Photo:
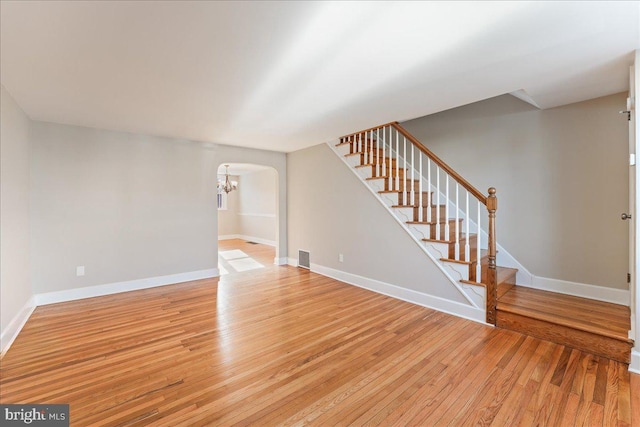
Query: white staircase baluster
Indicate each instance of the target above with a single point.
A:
(370, 147)
(420, 186)
(429, 198)
(438, 203)
(377, 153)
(404, 178)
(397, 161)
(365, 150)
(390, 156)
(478, 257)
(467, 255)
(446, 208)
(457, 247)
(413, 193)
(384, 154)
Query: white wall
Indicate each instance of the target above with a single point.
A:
(332, 212)
(228, 219)
(561, 176)
(251, 210)
(125, 206)
(15, 282)
(257, 205)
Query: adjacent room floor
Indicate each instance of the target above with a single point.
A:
(239, 256)
(284, 346)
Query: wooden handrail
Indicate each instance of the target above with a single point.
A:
(437, 160)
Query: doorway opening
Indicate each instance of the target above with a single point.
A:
(247, 201)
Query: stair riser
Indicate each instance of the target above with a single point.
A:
(462, 244)
(373, 159)
(405, 198)
(400, 185)
(425, 213)
(585, 341)
(377, 170)
(443, 226)
(509, 280)
(354, 141)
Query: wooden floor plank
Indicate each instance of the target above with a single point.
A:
(284, 346)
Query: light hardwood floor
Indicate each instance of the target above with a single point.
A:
(283, 346)
(241, 256)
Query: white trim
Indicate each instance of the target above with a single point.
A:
(257, 214)
(634, 366)
(280, 261)
(248, 239)
(292, 262)
(10, 333)
(600, 293)
(118, 287)
(425, 300)
(229, 236)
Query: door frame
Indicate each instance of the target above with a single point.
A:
(634, 267)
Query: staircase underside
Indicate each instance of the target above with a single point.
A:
(592, 326)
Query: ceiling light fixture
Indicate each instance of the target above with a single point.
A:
(227, 185)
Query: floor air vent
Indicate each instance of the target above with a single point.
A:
(303, 259)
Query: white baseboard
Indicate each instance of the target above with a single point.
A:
(634, 366)
(292, 262)
(600, 293)
(248, 239)
(114, 288)
(228, 236)
(281, 261)
(14, 327)
(415, 297)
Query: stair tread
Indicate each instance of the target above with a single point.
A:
(365, 165)
(433, 221)
(407, 206)
(597, 317)
(404, 191)
(483, 252)
(393, 177)
(462, 237)
(503, 274)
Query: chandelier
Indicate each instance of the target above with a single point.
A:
(227, 185)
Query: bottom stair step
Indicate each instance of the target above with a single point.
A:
(592, 326)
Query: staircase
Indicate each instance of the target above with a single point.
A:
(455, 225)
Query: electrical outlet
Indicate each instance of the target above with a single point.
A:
(340, 257)
(80, 270)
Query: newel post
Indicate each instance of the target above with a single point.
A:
(492, 274)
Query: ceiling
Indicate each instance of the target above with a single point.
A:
(287, 75)
(238, 169)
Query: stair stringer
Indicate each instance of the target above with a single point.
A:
(475, 295)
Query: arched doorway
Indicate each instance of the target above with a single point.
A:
(247, 217)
